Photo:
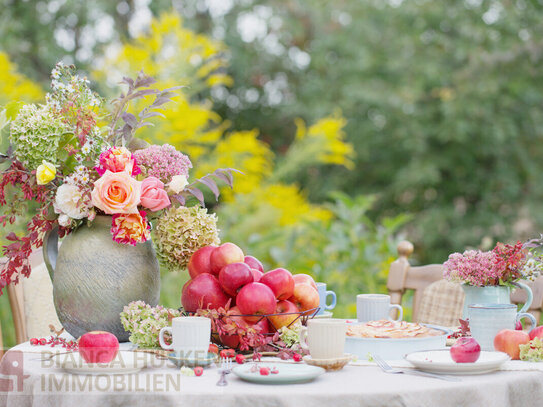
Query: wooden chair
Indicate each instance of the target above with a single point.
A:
(436, 301)
(31, 302)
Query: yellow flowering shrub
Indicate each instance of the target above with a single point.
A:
(14, 86)
(171, 54)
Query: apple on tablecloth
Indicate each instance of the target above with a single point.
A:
(98, 347)
(508, 341)
(537, 332)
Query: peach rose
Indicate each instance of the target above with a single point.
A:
(131, 229)
(153, 195)
(116, 192)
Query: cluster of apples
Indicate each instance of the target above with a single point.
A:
(223, 273)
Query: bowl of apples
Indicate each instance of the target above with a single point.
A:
(241, 297)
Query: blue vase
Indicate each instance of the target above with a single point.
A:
(493, 294)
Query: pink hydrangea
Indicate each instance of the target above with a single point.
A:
(472, 267)
(117, 159)
(163, 162)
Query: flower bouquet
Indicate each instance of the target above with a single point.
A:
(74, 161)
(504, 265)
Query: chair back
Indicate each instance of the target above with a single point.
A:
(31, 302)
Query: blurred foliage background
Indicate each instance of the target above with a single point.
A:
(355, 122)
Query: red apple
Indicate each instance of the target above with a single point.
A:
(280, 281)
(304, 279)
(204, 291)
(537, 332)
(200, 261)
(290, 313)
(508, 341)
(257, 275)
(305, 297)
(226, 253)
(254, 263)
(234, 276)
(255, 299)
(98, 347)
(465, 350)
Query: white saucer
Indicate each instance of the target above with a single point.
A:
(124, 363)
(440, 361)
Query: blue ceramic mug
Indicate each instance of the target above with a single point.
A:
(486, 320)
(323, 296)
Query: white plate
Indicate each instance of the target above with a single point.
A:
(439, 361)
(124, 363)
(289, 373)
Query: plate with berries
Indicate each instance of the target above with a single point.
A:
(280, 373)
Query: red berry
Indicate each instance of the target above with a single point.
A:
(34, 341)
(43, 341)
(213, 348)
(198, 370)
(297, 357)
(240, 359)
(264, 371)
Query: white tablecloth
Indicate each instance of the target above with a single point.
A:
(355, 385)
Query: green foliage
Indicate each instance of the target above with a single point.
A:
(443, 101)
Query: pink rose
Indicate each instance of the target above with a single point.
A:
(116, 192)
(153, 195)
(131, 229)
(118, 159)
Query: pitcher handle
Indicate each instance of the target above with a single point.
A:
(50, 250)
(530, 296)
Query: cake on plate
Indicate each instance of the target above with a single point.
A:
(391, 329)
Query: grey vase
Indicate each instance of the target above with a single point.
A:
(94, 277)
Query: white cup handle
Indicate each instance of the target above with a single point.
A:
(400, 311)
(303, 338)
(163, 344)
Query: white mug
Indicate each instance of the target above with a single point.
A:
(324, 338)
(374, 307)
(190, 336)
(486, 320)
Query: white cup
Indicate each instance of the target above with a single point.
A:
(190, 336)
(324, 338)
(486, 320)
(374, 307)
